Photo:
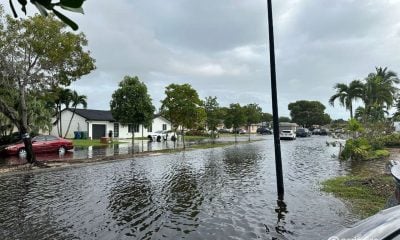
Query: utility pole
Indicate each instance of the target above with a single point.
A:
(277, 142)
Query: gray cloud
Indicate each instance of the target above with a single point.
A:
(220, 47)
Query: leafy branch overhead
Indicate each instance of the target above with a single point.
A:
(45, 6)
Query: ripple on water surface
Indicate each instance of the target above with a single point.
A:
(221, 193)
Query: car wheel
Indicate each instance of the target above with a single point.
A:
(62, 150)
(22, 153)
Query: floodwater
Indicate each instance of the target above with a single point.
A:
(117, 149)
(220, 193)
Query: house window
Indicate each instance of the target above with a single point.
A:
(164, 126)
(150, 128)
(133, 127)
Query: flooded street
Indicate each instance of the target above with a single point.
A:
(220, 193)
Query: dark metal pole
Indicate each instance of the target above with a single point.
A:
(278, 158)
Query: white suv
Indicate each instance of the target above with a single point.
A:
(287, 135)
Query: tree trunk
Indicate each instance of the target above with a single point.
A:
(24, 130)
(133, 140)
(248, 129)
(235, 135)
(183, 138)
(59, 117)
(69, 124)
(351, 110)
(142, 139)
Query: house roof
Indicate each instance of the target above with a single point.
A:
(100, 115)
(95, 115)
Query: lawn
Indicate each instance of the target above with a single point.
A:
(366, 194)
(88, 142)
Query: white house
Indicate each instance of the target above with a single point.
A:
(98, 123)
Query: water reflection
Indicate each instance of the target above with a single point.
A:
(132, 205)
(222, 193)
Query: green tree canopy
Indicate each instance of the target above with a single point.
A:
(267, 117)
(131, 104)
(182, 106)
(253, 115)
(284, 119)
(347, 94)
(36, 55)
(211, 107)
(235, 117)
(307, 113)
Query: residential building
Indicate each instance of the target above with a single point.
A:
(99, 123)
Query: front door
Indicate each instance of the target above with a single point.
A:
(98, 131)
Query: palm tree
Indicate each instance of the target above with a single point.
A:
(62, 97)
(347, 94)
(76, 100)
(380, 91)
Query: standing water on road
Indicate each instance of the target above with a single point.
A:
(221, 193)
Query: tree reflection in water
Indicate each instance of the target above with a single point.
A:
(131, 204)
(182, 199)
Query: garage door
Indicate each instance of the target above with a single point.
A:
(98, 131)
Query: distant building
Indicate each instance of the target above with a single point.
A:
(98, 123)
(288, 126)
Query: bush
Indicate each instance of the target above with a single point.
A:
(364, 149)
(356, 149)
(392, 140)
(381, 154)
(196, 133)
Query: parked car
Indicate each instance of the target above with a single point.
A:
(224, 130)
(287, 135)
(324, 132)
(264, 130)
(383, 225)
(303, 132)
(240, 131)
(158, 135)
(41, 144)
(316, 131)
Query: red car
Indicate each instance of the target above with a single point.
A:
(41, 144)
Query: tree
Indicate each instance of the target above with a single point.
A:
(284, 119)
(235, 117)
(379, 93)
(45, 6)
(267, 117)
(346, 94)
(212, 110)
(183, 107)
(36, 55)
(253, 115)
(131, 104)
(307, 113)
(76, 100)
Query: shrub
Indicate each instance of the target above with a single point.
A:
(356, 149)
(196, 133)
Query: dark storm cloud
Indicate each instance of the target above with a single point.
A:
(220, 47)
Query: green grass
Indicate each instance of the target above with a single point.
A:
(366, 194)
(88, 142)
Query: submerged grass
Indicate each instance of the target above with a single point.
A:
(366, 194)
(89, 142)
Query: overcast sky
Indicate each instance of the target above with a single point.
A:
(220, 47)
